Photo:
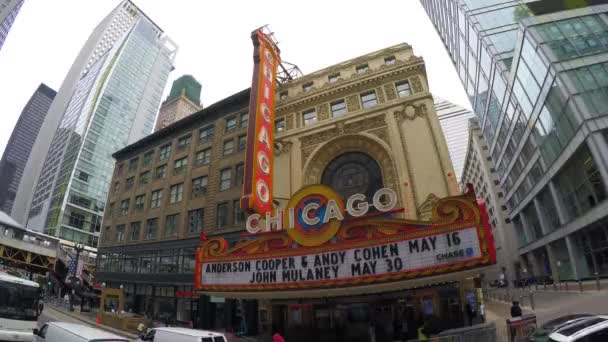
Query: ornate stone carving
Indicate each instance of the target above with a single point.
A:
(380, 95)
(282, 146)
(343, 128)
(382, 133)
(306, 153)
(323, 111)
(389, 89)
(411, 111)
(352, 103)
(416, 84)
(425, 210)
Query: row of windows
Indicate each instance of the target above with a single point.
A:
(172, 224)
(332, 78)
(228, 178)
(338, 108)
(205, 135)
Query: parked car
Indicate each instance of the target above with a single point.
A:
(541, 334)
(70, 332)
(590, 329)
(182, 335)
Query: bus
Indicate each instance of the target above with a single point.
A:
(18, 308)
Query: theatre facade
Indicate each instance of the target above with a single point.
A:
(368, 226)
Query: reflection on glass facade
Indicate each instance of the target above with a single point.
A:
(114, 104)
(536, 74)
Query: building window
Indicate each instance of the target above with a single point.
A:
(222, 215)
(180, 166)
(124, 207)
(144, 177)
(369, 100)
(205, 135)
(230, 124)
(228, 147)
(148, 158)
(184, 142)
(362, 68)
(239, 215)
(338, 108)
(199, 186)
(283, 95)
(120, 232)
(161, 171)
(279, 125)
(157, 197)
(242, 142)
(195, 220)
(225, 179)
(333, 78)
(390, 60)
(580, 184)
(129, 183)
(310, 117)
(76, 220)
(133, 164)
(403, 88)
(135, 230)
(171, 222)
(203, 157)
(244, 120)
(307, 86)
(140, 202)
(164, 153)
(240, 170)
(151, 227)
(176, 194)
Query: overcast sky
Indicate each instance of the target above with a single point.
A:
(214, 42)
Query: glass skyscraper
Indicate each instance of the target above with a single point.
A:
(8, 12)
(20, 144)
(112, 104)
(536, 73)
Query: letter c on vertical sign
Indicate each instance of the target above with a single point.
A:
(253, 223)
(263, 162)
(265, 110)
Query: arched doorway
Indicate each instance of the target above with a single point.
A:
(353, 173)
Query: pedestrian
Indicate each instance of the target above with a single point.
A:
(277, 338)
(515, 309)
(422, 332)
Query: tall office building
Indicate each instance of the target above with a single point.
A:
(20, 144)
(536, 73)
(183, 100)
(454, 121)
(109, 99)
(8, 12)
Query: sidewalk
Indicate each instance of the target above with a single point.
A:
(89, 320)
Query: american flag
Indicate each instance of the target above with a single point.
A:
(72, 266)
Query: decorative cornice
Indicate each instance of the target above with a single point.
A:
(342, 128)
(344, 86)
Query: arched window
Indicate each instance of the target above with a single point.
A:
(353, 173)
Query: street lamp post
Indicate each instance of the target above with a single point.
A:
(79, 248)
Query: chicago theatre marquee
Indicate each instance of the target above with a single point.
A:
(367, 226)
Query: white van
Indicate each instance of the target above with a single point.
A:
(182, 335)
(70, 332)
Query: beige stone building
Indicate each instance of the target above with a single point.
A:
(357, 126)
(341, 124)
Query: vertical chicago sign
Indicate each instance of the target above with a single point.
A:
(257, 185)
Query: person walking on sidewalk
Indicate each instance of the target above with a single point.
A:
(277, 338)
(515, 309)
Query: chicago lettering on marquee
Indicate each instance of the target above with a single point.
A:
(327, 243)
(258, 173)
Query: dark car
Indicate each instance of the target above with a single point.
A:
(542, 333)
